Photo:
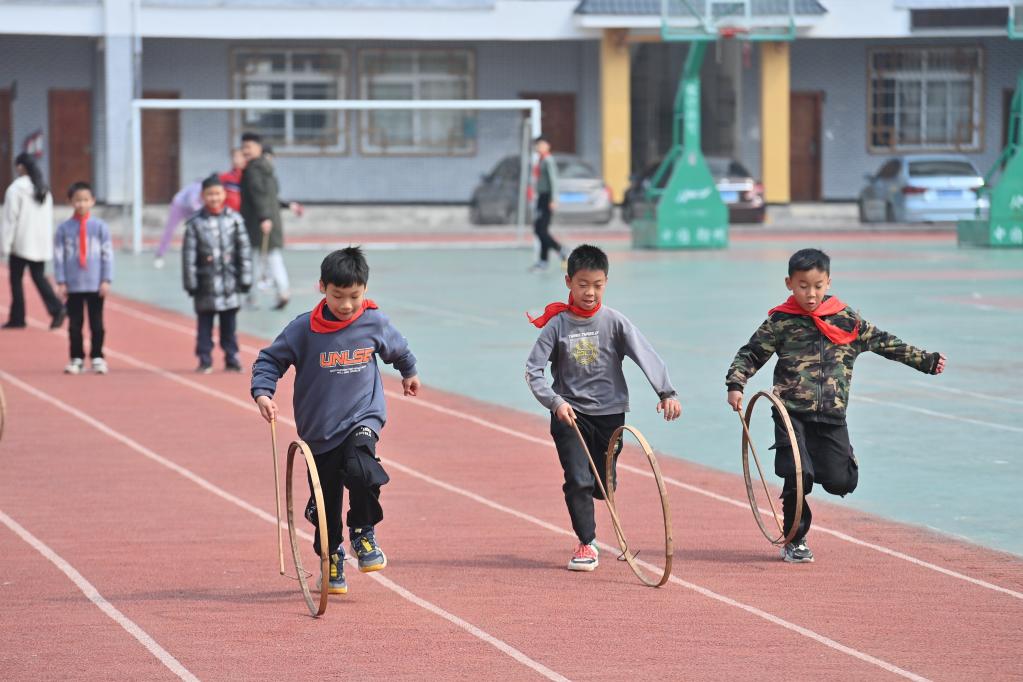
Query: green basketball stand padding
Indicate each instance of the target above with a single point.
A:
(686, 212)
(1004, 225)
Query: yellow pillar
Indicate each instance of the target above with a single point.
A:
(774, 121)
(615, 112)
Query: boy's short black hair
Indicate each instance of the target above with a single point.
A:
(212, 181)
(540, 139)
(252, 137)
(345, 268)
(809, 259)
(76, 186)
(586, 257)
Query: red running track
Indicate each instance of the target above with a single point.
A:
(154, 484)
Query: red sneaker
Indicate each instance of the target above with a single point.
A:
(585, 557)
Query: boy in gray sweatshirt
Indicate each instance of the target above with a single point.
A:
(83, 266)
(339, 401)
(586, 343)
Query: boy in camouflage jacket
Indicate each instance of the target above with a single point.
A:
(817, 339)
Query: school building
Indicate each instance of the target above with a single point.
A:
(863, 80)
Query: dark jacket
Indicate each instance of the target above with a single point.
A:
(337, 383)
(260, 201)
(216, 260)
(813, 374)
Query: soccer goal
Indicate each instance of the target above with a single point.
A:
(389, 155)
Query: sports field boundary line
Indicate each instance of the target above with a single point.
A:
(550, 674)
(209, 486)
(93, 595)
(741, 504)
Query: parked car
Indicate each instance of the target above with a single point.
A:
(923, 188)
(582, 194)
(743, 195)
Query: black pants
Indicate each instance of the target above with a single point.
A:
(580, 487)
(353, 465)
(38, 272)
(827, 459)
(76, 304)
(228, 335)
(541, 226)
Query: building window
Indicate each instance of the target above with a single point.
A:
(925, 99)
(293, 75)
(422, 75)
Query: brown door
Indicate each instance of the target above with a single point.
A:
(70, 140)
(6, 155)
(160, 150)
(805, 146)
(557, 119)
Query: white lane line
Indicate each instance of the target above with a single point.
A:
(941, 415)
(502, 646)
(741, 504)
(480, 634)
(93, 595)
(971, 394)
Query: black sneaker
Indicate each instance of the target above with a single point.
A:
(58, 319)
(204, 368)
(13, 325)
(232, 365)
(336, 583)
(364, 544)
(797, 552)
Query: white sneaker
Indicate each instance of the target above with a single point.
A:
(158, 263)
(585, 557)
(99, 366)
(75, 366)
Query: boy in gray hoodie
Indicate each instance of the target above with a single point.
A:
(339, 401)
(83, 266)
(586, 342)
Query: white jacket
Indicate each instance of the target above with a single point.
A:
(26, 227)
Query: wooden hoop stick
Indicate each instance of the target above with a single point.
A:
(296, 554)
(608, 494)
(277, 495)
(782, 538)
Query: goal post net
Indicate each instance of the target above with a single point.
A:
(388, 153)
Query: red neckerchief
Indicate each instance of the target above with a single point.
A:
(557, 308)
(829, 306)
(83, 240)
(321, 325)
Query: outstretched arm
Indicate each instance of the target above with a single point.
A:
(638, 349)
(748, 360)
(892, 347)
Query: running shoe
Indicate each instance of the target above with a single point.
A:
(585, 557)
(99, 366)
(364, 544)
(75, 366)
(797, 552)
(336, 583)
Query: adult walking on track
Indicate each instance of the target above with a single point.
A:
(544, 187)
(27, 237)
(261, 210)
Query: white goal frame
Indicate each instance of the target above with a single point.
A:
(530, 106)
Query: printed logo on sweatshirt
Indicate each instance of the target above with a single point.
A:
(346, 361)
(584, 347)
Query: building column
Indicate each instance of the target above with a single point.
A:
(118, 87)
(774, 121)
(615, 112)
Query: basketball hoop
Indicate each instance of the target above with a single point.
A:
(729, 32)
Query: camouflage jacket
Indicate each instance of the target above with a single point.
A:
(813, 374)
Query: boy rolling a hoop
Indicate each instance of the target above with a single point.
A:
(586, 342)
(339, 401)
(817, 339)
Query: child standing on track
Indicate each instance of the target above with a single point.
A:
(339, 401)
(217, 271)
(83, 266)
(586, 342)
(817, 339)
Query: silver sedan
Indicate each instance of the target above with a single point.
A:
(923, 188)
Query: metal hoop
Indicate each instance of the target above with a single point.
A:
(782, 538)
(616, 524)
(296, 554)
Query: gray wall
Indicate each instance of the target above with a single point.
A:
(839, 69)
(39, 64)
(503, 71)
